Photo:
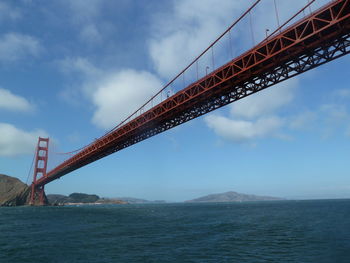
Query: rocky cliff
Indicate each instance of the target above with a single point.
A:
(13, 192)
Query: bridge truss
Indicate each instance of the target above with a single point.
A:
(314, 40)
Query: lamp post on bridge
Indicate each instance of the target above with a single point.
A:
(206, 70)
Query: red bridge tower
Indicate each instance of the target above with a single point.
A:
(37, 196)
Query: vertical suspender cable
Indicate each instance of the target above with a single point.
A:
(308, 1)
(183, 80)
(31, 166)
(277, 16)
(251, 27)
(230, 43)
(212, 56)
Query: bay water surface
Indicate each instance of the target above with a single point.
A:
(281, 231)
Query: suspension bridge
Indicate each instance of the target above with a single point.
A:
(308, 39)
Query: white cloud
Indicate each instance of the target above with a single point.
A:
(176, 38)
(253, 117)
(14, 141)
(266, 101)
(242, 130)
(119, 94)
(174, 42)
(182, 35)
(114, 93)
(10, 101)
(78, 65)
(15, 46)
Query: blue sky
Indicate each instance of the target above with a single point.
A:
(72, 69)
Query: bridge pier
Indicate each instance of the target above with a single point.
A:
(37, 195)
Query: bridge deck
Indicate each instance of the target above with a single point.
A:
(314, 40)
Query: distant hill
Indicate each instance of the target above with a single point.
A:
(81, 198)
(132, 200)
(57, 199)
(233, 197)
(72, 198)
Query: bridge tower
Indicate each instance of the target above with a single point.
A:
(42, 153)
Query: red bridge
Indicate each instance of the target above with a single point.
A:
(313, 40)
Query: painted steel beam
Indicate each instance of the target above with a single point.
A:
(316, 39)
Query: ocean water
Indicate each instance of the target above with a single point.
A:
(286, 231)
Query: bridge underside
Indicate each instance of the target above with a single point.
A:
(311, 42)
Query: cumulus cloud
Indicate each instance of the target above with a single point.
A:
(14, 141)
(262, 21)
(184, 34)
(266, 101)
(180, 37)
(174, 41)
(119, 94)
(242, 130)
(15, 46)
(254, 117)
(78, 65)
(12, 102)
(115, 94)
(176, 38)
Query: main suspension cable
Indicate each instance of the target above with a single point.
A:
(31, 166)
(170, 82)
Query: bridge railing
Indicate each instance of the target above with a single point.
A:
(227, 46)
(250, 29)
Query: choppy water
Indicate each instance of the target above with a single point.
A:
(302, 231)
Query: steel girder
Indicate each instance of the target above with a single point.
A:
(317, 39)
